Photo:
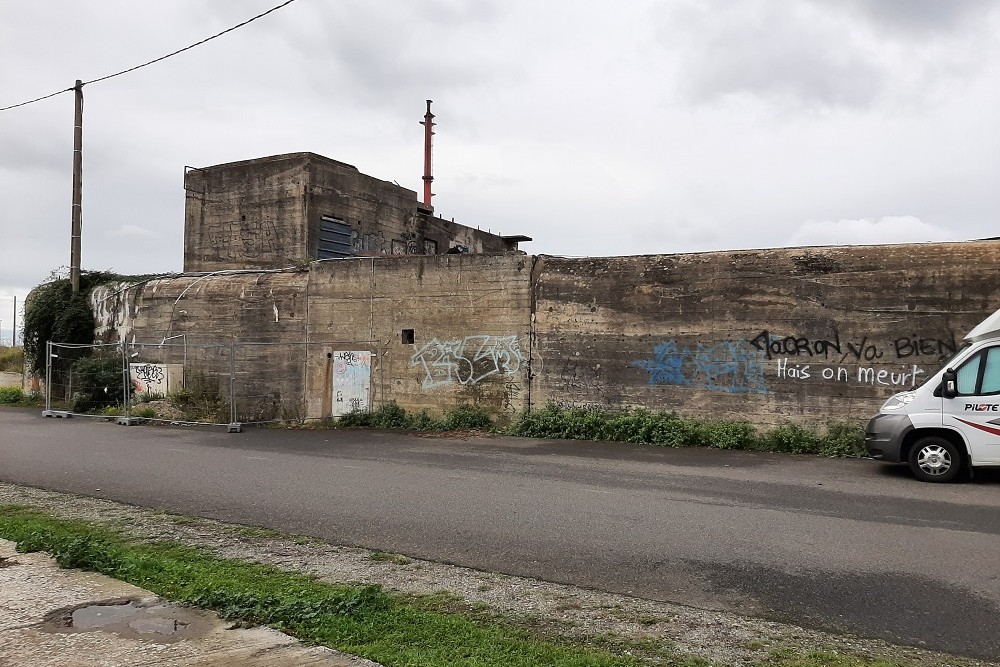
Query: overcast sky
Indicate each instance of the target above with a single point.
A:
(596, 128)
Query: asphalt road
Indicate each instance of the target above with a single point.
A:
(832, 544)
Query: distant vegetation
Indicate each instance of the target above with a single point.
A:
(11, 360)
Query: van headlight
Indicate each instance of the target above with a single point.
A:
(897, 401)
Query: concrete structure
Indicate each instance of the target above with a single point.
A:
(277, 211)
(801, 334)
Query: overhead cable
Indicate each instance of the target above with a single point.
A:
(155, 60)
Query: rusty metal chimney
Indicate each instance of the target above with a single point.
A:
(428, 123)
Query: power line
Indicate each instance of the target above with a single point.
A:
(155, 60)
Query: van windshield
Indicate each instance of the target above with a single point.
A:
(947, 362)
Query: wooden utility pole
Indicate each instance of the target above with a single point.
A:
(74, 254)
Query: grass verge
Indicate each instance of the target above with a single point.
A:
(364, 620)
(361, 620)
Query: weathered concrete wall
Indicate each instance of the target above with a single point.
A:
(246, 214)
(466, 317)
(266, 213)
(469, 316)
(194, 320)
(804, 334)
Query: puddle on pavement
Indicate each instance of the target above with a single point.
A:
(135, 619)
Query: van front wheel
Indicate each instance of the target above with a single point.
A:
(935, 459)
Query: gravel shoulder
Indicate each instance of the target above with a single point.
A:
(575, 613)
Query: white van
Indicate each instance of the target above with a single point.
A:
(952, 421)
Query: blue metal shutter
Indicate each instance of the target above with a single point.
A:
(334, 238)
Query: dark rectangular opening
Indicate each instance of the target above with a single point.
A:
(334, 238)
(407, 337)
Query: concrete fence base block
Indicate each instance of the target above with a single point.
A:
(60, 414)
(235, 427)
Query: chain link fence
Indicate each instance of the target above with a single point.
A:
(183, 381)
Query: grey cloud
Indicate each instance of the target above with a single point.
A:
(792, 68)
(923, 16)
(818, 53)
(373, 56)
(452, 13)
(768, 51)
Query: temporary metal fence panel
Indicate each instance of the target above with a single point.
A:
(85, 380)
(269, 383)
(298, 382)
(182, 381)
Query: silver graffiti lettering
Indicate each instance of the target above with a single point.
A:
(467, 361)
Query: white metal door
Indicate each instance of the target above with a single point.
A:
(352, 373)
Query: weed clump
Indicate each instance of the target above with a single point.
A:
(391, 415)
(11, 395)
(667, 429)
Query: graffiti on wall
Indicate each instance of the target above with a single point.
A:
(245, 239)
(861, 360)
(411, 247)
(372, 243)
(155, 379)
(511, 392)
(149, 377)
(730, 366)
(862, 349)
(468, 361)
(743, 366)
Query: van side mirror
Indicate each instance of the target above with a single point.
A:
(949, 384)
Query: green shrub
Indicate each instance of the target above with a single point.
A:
(844, 439)
(422, 421)
(731, 435)
(98, 381)
(11, 395)
(465, 418)
(390, 415)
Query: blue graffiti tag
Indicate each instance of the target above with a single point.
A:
(733, 366)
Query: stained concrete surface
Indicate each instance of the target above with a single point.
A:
(51, 616)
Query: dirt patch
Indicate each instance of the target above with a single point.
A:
(164, 409)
